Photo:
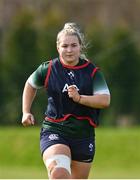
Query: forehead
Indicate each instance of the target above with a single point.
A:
(68, 39)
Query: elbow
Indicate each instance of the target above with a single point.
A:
(106, 105)
(106, 102)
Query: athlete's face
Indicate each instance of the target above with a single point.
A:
(69, 49)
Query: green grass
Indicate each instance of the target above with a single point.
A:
(117, 153)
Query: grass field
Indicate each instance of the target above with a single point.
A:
(117, 153)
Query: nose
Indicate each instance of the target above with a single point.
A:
(69, 49)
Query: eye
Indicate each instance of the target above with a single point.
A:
(74, 45)
(64, 46)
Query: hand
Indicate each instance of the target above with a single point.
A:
(73, 93)
(28, 119)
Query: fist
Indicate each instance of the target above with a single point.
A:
(73, 93)
(28, 119)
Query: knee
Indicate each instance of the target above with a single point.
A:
(59, 173)
(58, 167)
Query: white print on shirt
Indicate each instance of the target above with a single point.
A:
(53, 137)
(90, 147)
(65, 88)
(71, 74)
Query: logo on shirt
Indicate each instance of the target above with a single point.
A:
(53, 137)
(71, 74)
(90, 147)
(65, 89)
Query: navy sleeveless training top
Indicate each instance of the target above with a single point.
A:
(58, 78)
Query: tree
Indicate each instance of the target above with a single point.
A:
(20, 59)
(122, 67)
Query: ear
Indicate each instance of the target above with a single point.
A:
(57, 48)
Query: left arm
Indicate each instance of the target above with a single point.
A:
(94, 101)
(100, 97)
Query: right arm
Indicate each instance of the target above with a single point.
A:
(28, 96)
(34, 82)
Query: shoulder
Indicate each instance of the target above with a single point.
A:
(88, 62)
(44, 65)
(92, 68)
(92, 64)
(43, 68)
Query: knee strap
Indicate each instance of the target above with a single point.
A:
(58, 161)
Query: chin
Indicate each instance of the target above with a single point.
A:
(69, 60)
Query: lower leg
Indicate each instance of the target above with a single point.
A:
(59, 173)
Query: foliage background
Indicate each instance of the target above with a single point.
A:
(28, 32)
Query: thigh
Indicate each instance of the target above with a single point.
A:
(83, 150)
(48, 139)
(53, 143)
(80, 170)
(56, 149)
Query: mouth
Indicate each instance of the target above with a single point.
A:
(69, 55)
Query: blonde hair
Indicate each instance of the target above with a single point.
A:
(72, 28)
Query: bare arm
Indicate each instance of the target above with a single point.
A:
(95, 101)
(27, 99)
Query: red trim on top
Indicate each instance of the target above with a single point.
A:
(94, 71)
(77, 117)
(48, 74)
(74, 67)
